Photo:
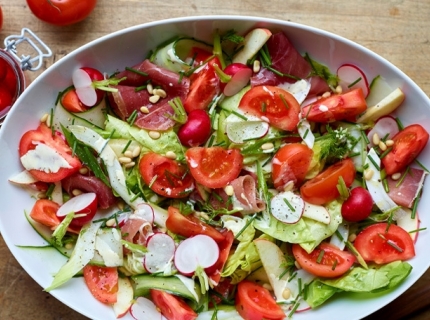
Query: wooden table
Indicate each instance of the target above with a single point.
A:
(396, 29)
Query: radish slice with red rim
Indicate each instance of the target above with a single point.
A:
(161, 249)
(386, 128)
(352, 77)
(240, 75)
(83, 86)
(144, 309)
(198, 251)
(287, 207)
(84, 207)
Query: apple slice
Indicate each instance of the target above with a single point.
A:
(124, 297)
(161, 249)
(317, 213)
(84, 206)
(287, 207)
(253, 42)
(411, 225)
(144, 309)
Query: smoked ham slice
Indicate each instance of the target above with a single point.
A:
(403, 193)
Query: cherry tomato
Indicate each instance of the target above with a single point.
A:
(383, 243)
(200, 55)
(205, 86)
(408, 143)
(171, 306)
(43, 135)
(323, 188)
(254, 302)
(273, 103)
(166, 177)
(214, 167)
(332, 263)
(224, 252)
(188, 226)
(358, 206)
(71, 102)
(102, 282)
(291, 163)
(44, 211)
(61, 12)
(196, 130)
(337, 107)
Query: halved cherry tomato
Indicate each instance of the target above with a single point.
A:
(200, 55)
(383, 243)
(61, 12)
(70, 102)
(337, 107)
(323, 188)
(408, 143)
(205, 86)
(214, 167)
(254, 302)
(102, 282)
(44, 211)
(165, 176)
(273, 103)
(171, 306)
(291, 163)
(189, 226)
(43, 135)
(222, 292)
(332, 263)
(224, 252)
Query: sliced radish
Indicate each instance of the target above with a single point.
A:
(84, 206)
(317, 213)
(352, 77)
(198, 251)
(161, 249)
(125, 297)
(145, 211)
(84, 89)
(409, 224)
(144, 309)
(239, 130)
(287, 207)
(385, 127)
(240, 75)
(299, 89)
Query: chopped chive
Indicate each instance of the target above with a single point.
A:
(364, 136)
(399, 124)
(385, 184)
(126, 146)
(417, 230)
(137, 89)
(51, 121)
(374, 162)
(282, 74)
(354, 82)
(352, 155)
(333, 267)
(50, 190)
(132, 117)
(402, 178)
(385, 137)
(135, 197)
(292, 276)
(366, 166)
(180, 115)
(284, 272)
(211, 140)
(246, 226)
(415, 204)
(320, 256)
(284, 101)
(294, 309)
(289, 205)
(136, 71)
(422, 166)
(306, 133)
(389, 221)
(152, 181)
(263, 107)
(240, 115)
(383, 154)
(168, 176)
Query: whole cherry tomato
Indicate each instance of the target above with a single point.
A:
(1, 18)
(61, 12)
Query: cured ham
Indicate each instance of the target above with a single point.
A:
(246, 195)
(136, 230)
(128, 100)
(287, 60)
(105, 197)
(404, 192)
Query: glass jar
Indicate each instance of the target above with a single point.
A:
(12, 66)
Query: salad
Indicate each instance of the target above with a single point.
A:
(210, 178)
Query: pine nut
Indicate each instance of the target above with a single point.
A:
(149, 88)
(267, 146)
(120, 205)
(389, 143)
(368, 174)
(352, 237)
(298, 266)
(286, 294)
(376, 139)
(256, 66)
(44, 118)
(289, 186)
(110, 223)
(41, 195)
(396, 176)
(136, 152)
(229, 190)
(326, 94)
(128, 154)
(69, 246)
(76, 192)
(171, 155)
(124, 160)
(129, 165)
(83, 170)
(48, 120)
(160, 92)
(338, 89)
(382, 145)
(154, 98)
(154, 134)
(144, 110)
